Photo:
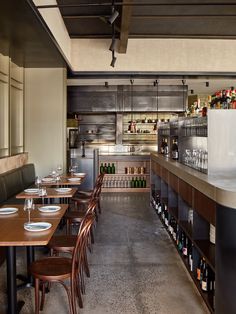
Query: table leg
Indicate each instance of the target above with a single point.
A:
(30, 259)
(11, 280)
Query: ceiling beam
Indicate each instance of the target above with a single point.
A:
(125, 27)
(128, 3)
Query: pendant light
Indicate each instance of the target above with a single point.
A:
(156, 83)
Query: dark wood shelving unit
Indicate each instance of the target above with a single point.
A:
(208, 297)
(187, 228)
(174, 212)
(207, 249)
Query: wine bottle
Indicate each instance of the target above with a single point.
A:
(162, 146)
(166, 148)
(205, 279)
(109, 168)
(185, 246)
(105, 168)
(175, 150)
(140, 183)
(190, 256)
(132, 185)
(113, 169)
(144, 183)
(199, 268)
(101, 168)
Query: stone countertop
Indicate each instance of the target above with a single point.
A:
(220, 187)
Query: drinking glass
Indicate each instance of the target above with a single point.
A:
(38, 181)
(28, 205)
(42, 193)
(59, 169)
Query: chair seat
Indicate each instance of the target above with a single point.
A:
(75, 214)
(52, 268)
(63, 243)
(86, 193)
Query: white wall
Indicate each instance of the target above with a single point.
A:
(45, 118)
(156, 55)
(54, 20)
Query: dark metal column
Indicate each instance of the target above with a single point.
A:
(11, 280)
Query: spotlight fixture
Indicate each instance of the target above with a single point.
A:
(113, 16)
(207, 84)
(106, 84)
(113, 44)
(113, 61)
(192, 91)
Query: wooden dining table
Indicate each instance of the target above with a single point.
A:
(51, 193)
(13, 234)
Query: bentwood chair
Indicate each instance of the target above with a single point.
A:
(74, 216)
(60, 269)
(82, 197)
(66, 243)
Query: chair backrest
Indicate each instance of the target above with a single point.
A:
(80, 247)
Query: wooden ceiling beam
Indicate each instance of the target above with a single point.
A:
(125, 27)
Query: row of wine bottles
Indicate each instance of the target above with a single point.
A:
(174, 153)
(196, 263)
(124, 182)
(110, 169)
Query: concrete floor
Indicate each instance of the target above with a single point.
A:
(135, 268)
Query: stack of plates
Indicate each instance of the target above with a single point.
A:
(74, 179)
(49, 209)
(48, 179)
(32, 191)
(8, 210)
(212, 234)
(63, 190)
(79, 174)
(37, 226)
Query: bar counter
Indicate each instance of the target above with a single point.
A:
(219, 187)
(212, 198)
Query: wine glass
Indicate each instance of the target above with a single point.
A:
(54, 174)
(42, 193)
(38, 181)
(71, 170)
(28, 205)
(59, 169)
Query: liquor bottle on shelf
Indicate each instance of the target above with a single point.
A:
(190, 257)
(101, 168)
(199, 268)
(175, 150)
(144, 183)
(205, 279)
(185, 245)
(166, 148)
(136, 183)
(105, 168)
(132, 183)
(162, 146)
(109, 168)
(113, 169)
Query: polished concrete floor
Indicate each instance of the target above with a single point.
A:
(135, 268)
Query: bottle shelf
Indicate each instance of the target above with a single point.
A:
(125, 189)
(186, 227)
(207, 296)
(128, 174)
(207, 249)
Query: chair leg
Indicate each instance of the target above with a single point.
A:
(78, 292)
(99, 207)
(43, 296)
(36, 296)
(70, 295)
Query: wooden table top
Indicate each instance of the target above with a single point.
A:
(12, 232)
(21, 214)
(51, 193)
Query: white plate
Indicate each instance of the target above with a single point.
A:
(49, 208)
(32, 191)
(8, 210)
(74, 179)
(79, 174)
(37, 226)
(48, 179)
(63, 190)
